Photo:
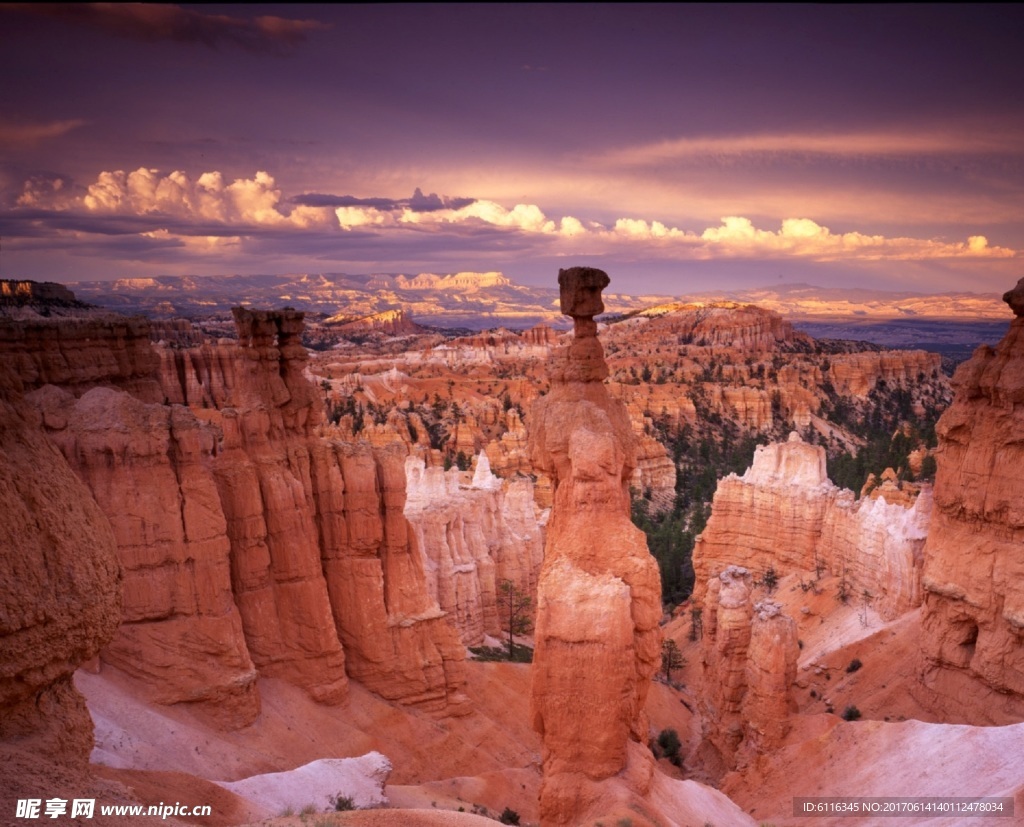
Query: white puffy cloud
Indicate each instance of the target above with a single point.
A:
(255, 200)
(806, 238)
(217, 212)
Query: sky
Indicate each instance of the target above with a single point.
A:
(679, 147)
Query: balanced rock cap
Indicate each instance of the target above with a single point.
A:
(580, 291)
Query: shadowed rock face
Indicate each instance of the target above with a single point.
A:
(60, 595)
(599, 595)
(749, 654)
(1015, 298)
(974, 569)
(250, 544)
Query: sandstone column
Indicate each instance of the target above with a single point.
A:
(599, 594)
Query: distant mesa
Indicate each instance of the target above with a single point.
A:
(456, 281)
(390, 322)
(22, 292)
(26, 300)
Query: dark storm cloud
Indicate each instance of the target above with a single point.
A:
(150, 23)
(418, 203)
(34, 222)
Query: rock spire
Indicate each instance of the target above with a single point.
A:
(599, 594)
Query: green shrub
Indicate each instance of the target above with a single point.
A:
(851, 713)
(855, 664)
(509, 816)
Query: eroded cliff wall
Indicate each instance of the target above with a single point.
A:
(784, 514)
(250, 543)
(472, 537)
(973, 582)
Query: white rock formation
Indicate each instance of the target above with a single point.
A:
(318, 783)
(472, 537)
(785, 514)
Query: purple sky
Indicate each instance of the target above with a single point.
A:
(679, 147)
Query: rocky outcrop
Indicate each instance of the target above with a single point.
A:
(771, 670)
(80, 354)
(397, 640)
(60, 595)
(749, 654)
(387, 322)
(147, 465)
(34, 292)
(974, 571)
(723, 324)
(724, 648)
(473, 536)
(855, 374)
(599, 598)
(237, 524)
(785, 515)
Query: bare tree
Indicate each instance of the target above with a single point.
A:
(514, 611)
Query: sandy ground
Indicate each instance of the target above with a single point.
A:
(489, 759)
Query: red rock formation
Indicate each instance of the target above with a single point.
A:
(785, 514)
(749, 656)
(974, 570)
(227, 514)
(397, 641)
(79, 354)
(723, 324)
(857, 373)
(597, 636)
(388, 322)
(724, 657)
(771, 670)
(59, 598)
(147, 467)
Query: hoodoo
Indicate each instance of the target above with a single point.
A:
(597, 636)
(973, 585)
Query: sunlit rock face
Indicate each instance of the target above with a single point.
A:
(472, 536)
(785, 514)
(974, 567)
(597, 636)
(147, 466)
(857, 373)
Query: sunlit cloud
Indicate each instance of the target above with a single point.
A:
(209, 215)
(803, 237)
(49, 191)
(255, 200)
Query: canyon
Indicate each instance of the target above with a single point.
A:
(282, 555)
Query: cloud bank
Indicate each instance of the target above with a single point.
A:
(145, 212)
